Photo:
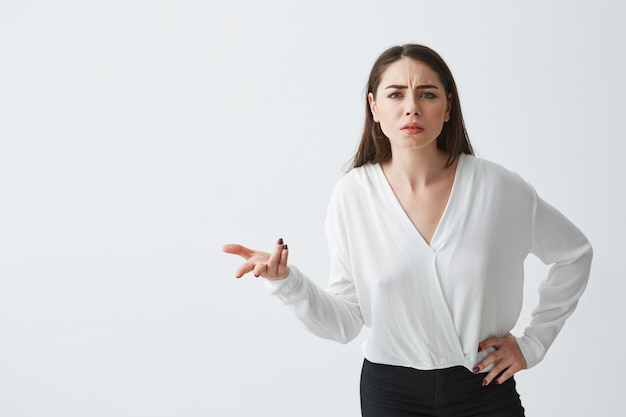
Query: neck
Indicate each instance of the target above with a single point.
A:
(416, 168)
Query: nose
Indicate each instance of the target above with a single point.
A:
(412, 105)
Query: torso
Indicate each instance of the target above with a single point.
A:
(413, 295)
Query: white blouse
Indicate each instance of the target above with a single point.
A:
(428, 306)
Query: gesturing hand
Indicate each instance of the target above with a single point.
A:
(262, 264)
(507, 358)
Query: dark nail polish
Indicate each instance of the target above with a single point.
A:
(485, 382)
(476, 370)
(280, 241)
(285, 247)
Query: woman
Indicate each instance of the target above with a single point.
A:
(427, 246)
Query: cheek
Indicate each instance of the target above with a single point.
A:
(444, 111)
(391, 109)
(380, 113)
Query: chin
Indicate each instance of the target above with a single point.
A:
(418, 144)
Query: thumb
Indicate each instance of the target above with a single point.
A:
(236, 249)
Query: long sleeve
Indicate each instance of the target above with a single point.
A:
(557, 242)
(335, 316)
(332, 313)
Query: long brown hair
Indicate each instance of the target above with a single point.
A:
(374, 146)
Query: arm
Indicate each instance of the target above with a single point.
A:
(557, 242)
(332, 313)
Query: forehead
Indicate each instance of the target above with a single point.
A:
(409, 72)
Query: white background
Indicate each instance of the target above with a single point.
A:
(137, 137)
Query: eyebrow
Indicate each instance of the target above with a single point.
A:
(401, 87)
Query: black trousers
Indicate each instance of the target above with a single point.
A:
(396, 391)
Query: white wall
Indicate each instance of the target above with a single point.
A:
(137, 137)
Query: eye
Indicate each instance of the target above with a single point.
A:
(427, 95)
(395, 95)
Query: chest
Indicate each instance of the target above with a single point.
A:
(425, 207)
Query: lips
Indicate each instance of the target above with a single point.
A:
(412, 125)
(412, 128)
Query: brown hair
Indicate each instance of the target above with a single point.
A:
(374, 146)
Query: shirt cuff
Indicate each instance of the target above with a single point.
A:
(532, 350)
(281, 288)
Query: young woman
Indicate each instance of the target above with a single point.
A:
(427, 246)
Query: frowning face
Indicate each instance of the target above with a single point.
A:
(410, 104)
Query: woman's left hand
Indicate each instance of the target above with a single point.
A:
(507, 358)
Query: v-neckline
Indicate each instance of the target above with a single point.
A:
(433, 245)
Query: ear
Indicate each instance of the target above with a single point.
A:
(372, 103)
(446, 116)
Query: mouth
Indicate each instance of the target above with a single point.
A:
(412, 127)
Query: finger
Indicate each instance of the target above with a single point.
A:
(488, 343)
(490, 359)
(244, 269)
(517, 363)
(495, 371)
(508, 373)
(259, 269)
(274, 260)
(507, 361)
(284, 255)
(240, 250)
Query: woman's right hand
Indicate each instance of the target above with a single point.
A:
(262, 264)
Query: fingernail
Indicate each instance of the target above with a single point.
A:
(285, 247)
(476, 370)
(280, 241)
(485, 383)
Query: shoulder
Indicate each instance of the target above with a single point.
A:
(496, 174)
(357, 180)
(356, 188)
(491, 181)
